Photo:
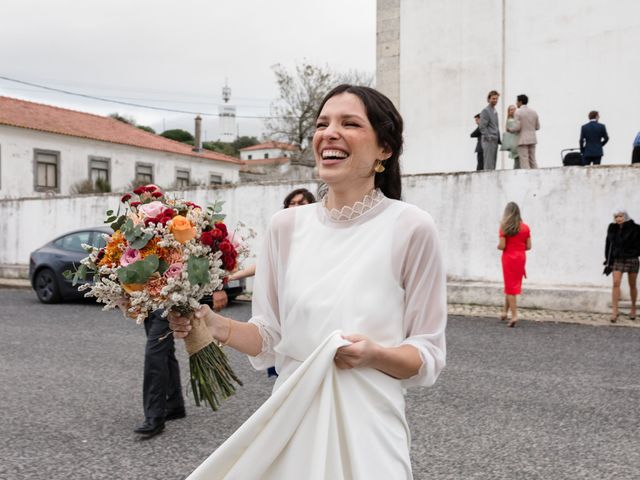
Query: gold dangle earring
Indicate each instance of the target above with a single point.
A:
(378, 167)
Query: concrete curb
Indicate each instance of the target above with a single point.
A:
(14, 283)
(538, 315)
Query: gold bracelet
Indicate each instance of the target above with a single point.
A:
(226, 342)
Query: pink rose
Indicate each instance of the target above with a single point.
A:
(129, 256)
(174, 270)
(152, 209)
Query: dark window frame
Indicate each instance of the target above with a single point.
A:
(57, 163)
(144, 164)
(100, 159)
(179, 180)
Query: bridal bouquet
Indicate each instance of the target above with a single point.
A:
(167, 254)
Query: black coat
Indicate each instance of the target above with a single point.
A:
(622, 242)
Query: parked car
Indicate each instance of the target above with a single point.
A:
(47, 264)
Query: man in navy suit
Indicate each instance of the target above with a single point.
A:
(593, 136)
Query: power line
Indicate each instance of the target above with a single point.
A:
(130, 104)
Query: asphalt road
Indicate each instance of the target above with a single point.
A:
(541, 401)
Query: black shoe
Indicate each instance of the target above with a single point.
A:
(175, 414)
(151, 426)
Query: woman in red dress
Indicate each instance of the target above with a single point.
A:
(515, 240)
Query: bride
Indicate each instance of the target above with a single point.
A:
(349, 304)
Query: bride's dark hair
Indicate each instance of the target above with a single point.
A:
(387, 123)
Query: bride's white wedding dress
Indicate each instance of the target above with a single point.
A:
(375, 270)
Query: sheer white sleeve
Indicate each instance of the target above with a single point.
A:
(269, 270)
(424, 281)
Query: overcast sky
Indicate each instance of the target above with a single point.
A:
(176, 54)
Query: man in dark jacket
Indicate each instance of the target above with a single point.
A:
(476, 134)
(593, 136)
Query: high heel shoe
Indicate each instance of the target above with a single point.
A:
(503, 318)
(614, 319)
(512, 323)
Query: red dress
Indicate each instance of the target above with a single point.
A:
(514, 258)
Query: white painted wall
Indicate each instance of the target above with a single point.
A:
(568, 210)
(17, 162)
(259, 154)
(569, 57)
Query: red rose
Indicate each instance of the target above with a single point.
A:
(135, 204)
(221, 226)
(100, 254)
(150, 188)
(206, 238)
(125, 198)
(229, 261)
(139, 190)
(156, 194)
(217, 234)
(226, 247)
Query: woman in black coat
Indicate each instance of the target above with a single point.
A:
(621, 256)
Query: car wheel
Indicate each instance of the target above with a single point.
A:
(46, 286)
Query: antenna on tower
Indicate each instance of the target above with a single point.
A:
(226, 91)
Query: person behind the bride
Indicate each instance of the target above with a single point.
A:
(350, 302)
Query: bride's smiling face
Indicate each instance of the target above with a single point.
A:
(345, 144)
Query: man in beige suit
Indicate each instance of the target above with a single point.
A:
(526, 125)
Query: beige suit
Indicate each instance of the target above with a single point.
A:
(527, 123)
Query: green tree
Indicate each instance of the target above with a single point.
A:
(123, 118)
(178, 135)
(146, 128)
(243, 142)
(221, 147)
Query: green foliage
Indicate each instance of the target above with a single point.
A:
(75, 276)
(220, 147)
(178, 135)
(140, 271)
(87, 186)
(102, 186)
(198, 270)
(146, 128)
(244, 142)
(134, 235)
(123, 118)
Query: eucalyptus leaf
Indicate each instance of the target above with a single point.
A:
(139, 242)
(117, 225)
(198, 270)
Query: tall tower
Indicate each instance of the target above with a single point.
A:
(227, 116)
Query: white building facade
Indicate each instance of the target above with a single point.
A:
(36, 160)
(438, 59)
(268, 150)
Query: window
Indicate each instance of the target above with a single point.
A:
(73, 242)
(266, 155)
(144, 173)
(182, 178)
(98, 169)
(47, 173)
(215, 179)
(249, 157)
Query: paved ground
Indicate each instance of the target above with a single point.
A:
(541, 401)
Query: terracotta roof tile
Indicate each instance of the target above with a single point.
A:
(47, 118)
(270, 145)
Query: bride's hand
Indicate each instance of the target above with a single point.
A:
(361, 353)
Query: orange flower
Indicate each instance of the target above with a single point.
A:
(113, 250)
(182, 229)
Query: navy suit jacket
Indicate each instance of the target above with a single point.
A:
(593, 136)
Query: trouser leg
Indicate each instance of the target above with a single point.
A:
(480, 159)
(533, 163)
(489, 153)
(523, 154)
(160, 379)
